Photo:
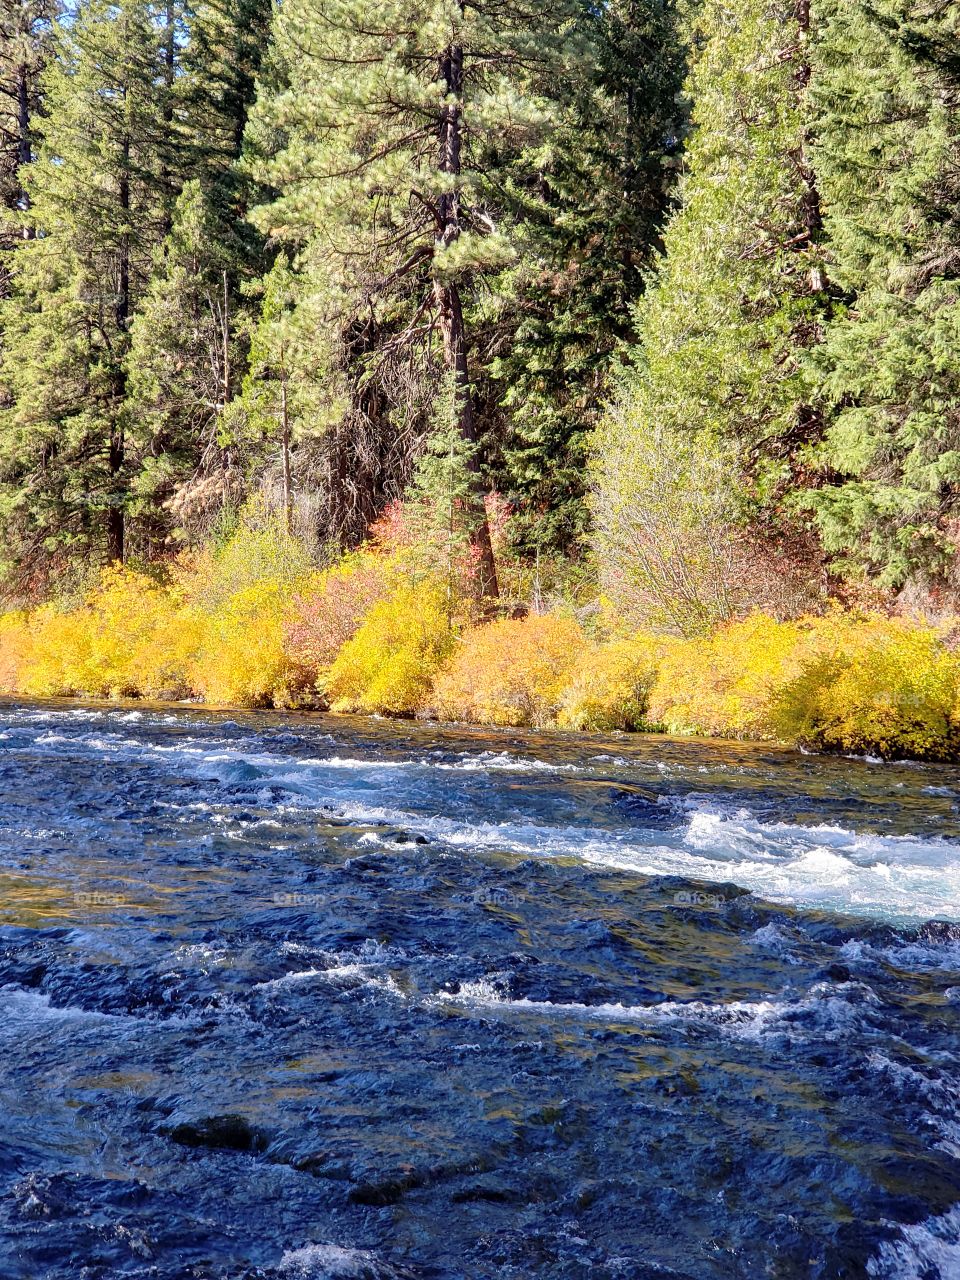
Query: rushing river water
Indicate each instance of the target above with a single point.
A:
(304, 998)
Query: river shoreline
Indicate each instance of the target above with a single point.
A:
(513, 732)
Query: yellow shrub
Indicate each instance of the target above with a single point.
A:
(15, 648)
(128, 616)
(877, 686)
(96, 649)
(389, 665)
(163, 664)
(724, 685)
(242, 659)
(611, 687)
(260, 551)
(59, 657)
(513, 672)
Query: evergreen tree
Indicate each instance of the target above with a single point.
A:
(188, 352)
(740, 294)
(25, 30)
(276, 391)
(381, 140)
(227, 40)
(887, 93)
(99, 205)
(592, 206)
(185, 365)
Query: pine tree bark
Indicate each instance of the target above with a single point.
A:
(812, 211)
(115, 520)
(450, 307)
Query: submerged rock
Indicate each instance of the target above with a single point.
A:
(221, 1133)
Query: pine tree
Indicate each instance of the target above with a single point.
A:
(887, 98)
(185, 366)
(380, 139)
(25, 30)
(99, 204)
(188, 349)
(276, 392)
(740, 294)
(593, 206)
(221, 61)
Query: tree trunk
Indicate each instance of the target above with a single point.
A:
(24, 142)
(450, 307)
(115, 522)
(285, 446)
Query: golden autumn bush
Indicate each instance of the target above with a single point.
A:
(513, 672)
(15, 646)
(877, 686)
(388, 666)
(238, 604)
(242, 657)
(725, 684)
(371, 637)
(115, 644)
(140, 643)
(260, 550)
(610, 689)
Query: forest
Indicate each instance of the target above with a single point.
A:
(536, 364)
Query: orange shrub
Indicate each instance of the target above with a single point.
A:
(513, 672)
(333, 604)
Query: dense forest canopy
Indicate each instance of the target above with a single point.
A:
(662, 297)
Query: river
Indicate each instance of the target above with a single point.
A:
(304, 998)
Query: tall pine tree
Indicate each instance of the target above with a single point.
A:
(887, 98)
(25, 32)
(99, 202)
(187, 360)
(592, 206)
(386, 139)
(740, 296)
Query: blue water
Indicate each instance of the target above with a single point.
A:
(296, 997)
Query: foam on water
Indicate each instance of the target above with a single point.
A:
(335, 1262)
(827, 1012)
(825, 866)
(928, 1250)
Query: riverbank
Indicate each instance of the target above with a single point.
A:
(257, 627)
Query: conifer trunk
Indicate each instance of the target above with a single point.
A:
(115, 522)
(813, 214)
(450, 307)
(24, 148)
